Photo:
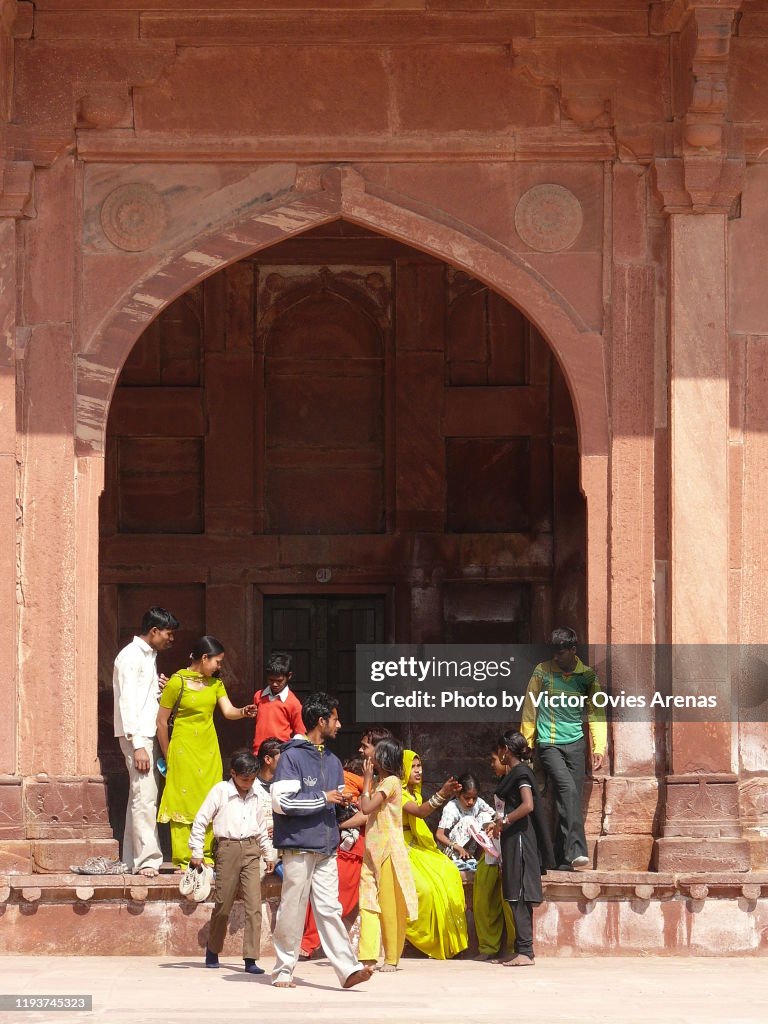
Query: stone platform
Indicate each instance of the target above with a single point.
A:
(586, 913)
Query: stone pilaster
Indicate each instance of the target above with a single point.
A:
(701, 831)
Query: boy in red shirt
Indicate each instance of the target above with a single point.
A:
(278, 709)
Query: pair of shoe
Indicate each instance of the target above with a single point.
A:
(196, 883)
(251, 967)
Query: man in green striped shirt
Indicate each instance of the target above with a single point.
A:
(558, 693)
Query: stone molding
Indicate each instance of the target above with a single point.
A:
(584, 914)
(16, 189)
(704, 171)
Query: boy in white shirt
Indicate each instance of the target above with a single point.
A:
(241, 840)
(137, 687)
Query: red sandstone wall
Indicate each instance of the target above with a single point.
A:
(543, 148)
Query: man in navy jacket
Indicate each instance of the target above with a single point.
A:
(307, 787)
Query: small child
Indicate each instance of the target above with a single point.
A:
(278, 709)
(388, 899)
(526, 847)
(240, 841)
(453, 831)
(268, 756)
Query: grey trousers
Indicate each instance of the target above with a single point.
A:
(564, 765)
(311, 877)
(141, 846)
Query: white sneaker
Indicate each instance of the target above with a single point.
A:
(187, 881)
(203, 883)
(579, 862)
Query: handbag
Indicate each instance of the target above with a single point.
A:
(174, 709)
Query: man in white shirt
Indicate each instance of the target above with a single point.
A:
(137, 687)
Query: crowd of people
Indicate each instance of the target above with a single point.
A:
(352, 837)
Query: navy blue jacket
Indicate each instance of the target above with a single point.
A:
(303, 820)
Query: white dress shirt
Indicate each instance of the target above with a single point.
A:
(137, 693)
(283, 695)
(233, 817)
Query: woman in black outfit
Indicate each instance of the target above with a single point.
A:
(526, 846)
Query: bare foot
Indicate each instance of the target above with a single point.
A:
(148, 872)
(369, 963)
(358, 977)
(284, 984)
(485, 958)
(519, 961)
(388, 968)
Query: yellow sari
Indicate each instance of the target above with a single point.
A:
(440, 930)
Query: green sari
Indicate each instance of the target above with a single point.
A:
(194, 758)
(440, 930)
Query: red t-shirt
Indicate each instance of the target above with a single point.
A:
(278, 716)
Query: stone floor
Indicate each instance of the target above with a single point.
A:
(561, 990)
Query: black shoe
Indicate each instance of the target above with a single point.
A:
(211, 959)
(251, 967)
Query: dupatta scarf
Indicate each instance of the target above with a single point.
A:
(420, 830)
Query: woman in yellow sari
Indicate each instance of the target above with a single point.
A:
(440, 930)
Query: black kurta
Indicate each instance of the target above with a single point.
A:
(526, 846)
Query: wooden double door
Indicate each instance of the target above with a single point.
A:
(320, 633)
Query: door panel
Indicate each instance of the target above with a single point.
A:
(321, 633)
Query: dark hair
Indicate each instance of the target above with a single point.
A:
(354, 765)
(376, 734)
(516, 744)
(564, 639)
(317, 706)
(388, 755)
(468, 782)
(158, 618)
(269, 748)
(278, 664)
(243, 762)
(206, 645)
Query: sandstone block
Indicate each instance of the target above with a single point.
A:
(624, 853)
(632, 805)
(53, 856)
(679, 853)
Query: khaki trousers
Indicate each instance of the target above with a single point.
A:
(238, 863)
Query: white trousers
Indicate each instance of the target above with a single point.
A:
(311, 876)
(141, 846)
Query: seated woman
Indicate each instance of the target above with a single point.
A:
(440, 930)
(192, 752)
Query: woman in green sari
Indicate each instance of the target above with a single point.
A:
(440, 930)
(192, 753)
